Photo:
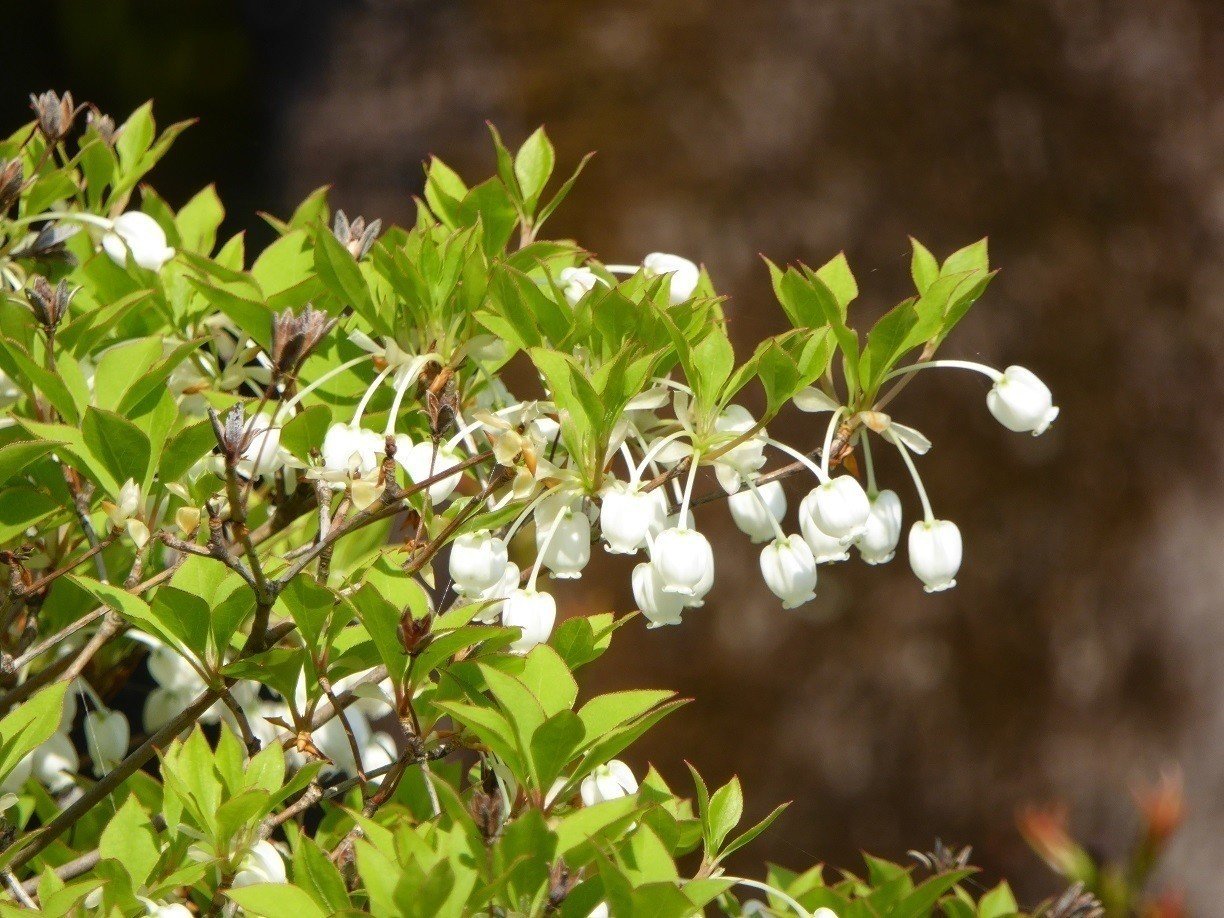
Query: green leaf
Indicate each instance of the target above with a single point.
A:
(997, 903)
(314, 872)
(748, 836)
(29, 726)
(552, 746)
(130, 839)
(725, 811)
(604, 713)
(16, 456)
(923, 266)
(121, 446)
(306, 430)
(837, 276)
(276, 900)
(974, 257)
(121, 366)
(533, 165)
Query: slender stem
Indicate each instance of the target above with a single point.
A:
(688, 491)
(828, 441)
(369, 394)
(928, 516)
(400, 389)
(543, 549)
(872, 490)
(991, 372)
(48, 215)
(622, 269)
(654, 450)
(306, 390)
(801, 458)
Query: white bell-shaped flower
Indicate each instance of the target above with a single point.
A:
(532, 612)
(171, 670)
(564, 542)
(140, 234)
(878, 542)
(608, 782)
(55, 762)
(935, 553)
(659, 607)
(684, 274)
(578, 282)
(493, 599)
(422, 462)
(789, 569)
(477, 562)
(106, 737)
(752, 514)
(840, 507)
(333, 741)
(165, 909)
(1022, 402)
(684, 561)
(627, 516)
(826, 549)
(353, 450)
(262, 864)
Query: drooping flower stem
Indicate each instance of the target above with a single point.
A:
(688, 490)
(872, 490)
(991, 372)
(928, 516)
(828, 442)
(806, 460)
(773, 520)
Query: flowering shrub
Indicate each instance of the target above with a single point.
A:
(295, 487)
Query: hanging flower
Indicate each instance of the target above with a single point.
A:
(840, 507)
(935, 553)
(789, 569)
(878, 542)
(684, 561)
(578, 282)
(752, 514)
(140, 235)
(493, 599)
(123, 514)
(684, 274)
(423, 461)
(1021, 402)
(628, 515)
(826, 549)
(106, 736)
(478, 561)
(352, 450)
(563, 536)
(608, 782)
(262, 864)
(534, 613)
(659, 606)
(55, 762)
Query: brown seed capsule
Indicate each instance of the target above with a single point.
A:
(295, 335)
(49, 304)
(54, 114)
(11, 177)
(355, 236)
(414, 633)
(104, 125)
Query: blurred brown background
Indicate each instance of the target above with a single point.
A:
(1084, 647)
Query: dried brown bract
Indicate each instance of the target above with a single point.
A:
(355, 236)
(295, 335)
(54, 114)
(49, 304)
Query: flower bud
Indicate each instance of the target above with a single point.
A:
(935, 553)
(684, 562)
(423, 461)
(578, 282)
(878, 542)
(140, 235)
(477, 562)
(1021, 402)
(789, 570)
(106, 737)
(532, 612)
(841, 507)
(55, 762)
(627, 516)
(684, 275)
(608, 782)
(659, 607)
(564, 541)
(262, 864)
(355, 236)
(752, 514)
(826, 549)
